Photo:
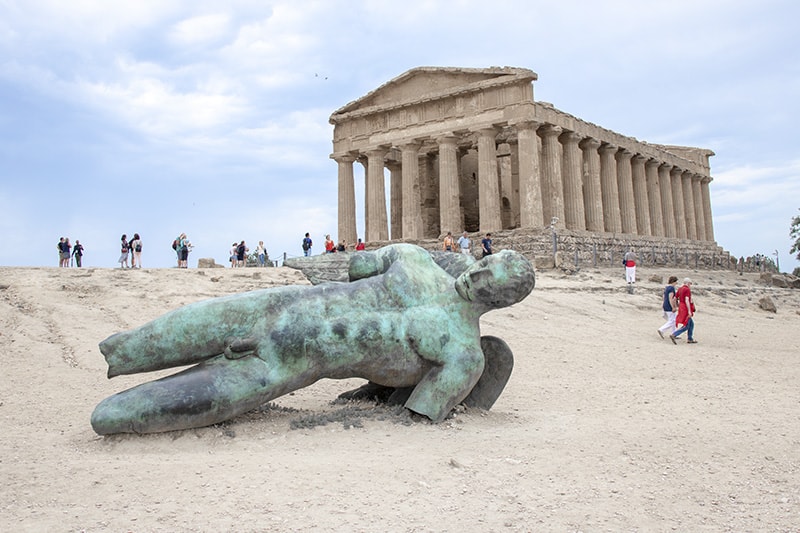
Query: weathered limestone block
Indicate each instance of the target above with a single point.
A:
(321, 268)
(767, 304)
(208, 262)
(782, 281)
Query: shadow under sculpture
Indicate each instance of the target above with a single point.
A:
(402, 322)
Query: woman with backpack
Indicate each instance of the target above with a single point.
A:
(125, 248)
(136, 248)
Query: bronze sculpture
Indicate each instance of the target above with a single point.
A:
(402, 322)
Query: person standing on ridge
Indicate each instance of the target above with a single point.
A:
(77, 253)
(307, 243)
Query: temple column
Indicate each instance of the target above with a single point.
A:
(677, 202)
(552, 188)
(571, 170)
(625, 183)
(688, 206)
(488, 188)
(378, 229)
(508, 216)
(395, 199)
(362, 159)
(412, 203)
(640, 195)
(704, 188)
(699, 216)
(530, 188)
(347, 198)
(449, 190)
(592, 191)
(608, 182)
(654, 198)
(667, 208)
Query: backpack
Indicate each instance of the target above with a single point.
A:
(306, 244)
(175, 244)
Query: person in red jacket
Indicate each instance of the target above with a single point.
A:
(684, 320)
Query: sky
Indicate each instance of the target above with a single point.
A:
(211, 118)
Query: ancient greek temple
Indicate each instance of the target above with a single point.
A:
(470, 150)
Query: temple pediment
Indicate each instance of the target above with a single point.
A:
(432, 83)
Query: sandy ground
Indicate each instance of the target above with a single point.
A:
(603, 425)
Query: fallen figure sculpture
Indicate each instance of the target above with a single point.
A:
(402, 322)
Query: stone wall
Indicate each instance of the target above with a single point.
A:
(577, 250)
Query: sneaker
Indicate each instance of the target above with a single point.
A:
(673, 339)
(691, 341)
(660, 334)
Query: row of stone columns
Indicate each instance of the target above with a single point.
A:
(572, 181)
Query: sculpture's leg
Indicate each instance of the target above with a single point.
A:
(196, 332)
(496, 371)
(205, 394)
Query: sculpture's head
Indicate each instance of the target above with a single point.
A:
(497, 280)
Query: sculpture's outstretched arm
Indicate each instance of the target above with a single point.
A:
(499, 362)
(446, 385)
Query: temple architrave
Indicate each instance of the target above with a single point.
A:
(468, 149)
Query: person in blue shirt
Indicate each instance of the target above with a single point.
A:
(670, 307)
(486, 245)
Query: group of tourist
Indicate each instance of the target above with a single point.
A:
(67, 251)
(679, 311)
(239, 253)
(132, 249)
(464, 244)
(182, 246)
(330, 246)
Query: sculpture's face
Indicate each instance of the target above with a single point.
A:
(497, 280)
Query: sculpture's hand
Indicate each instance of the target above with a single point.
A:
(364, 265)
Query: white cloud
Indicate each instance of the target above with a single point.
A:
(754, 182)
(83, 21)
(200, 30)
(157, 109)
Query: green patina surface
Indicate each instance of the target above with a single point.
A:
(402, 322)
